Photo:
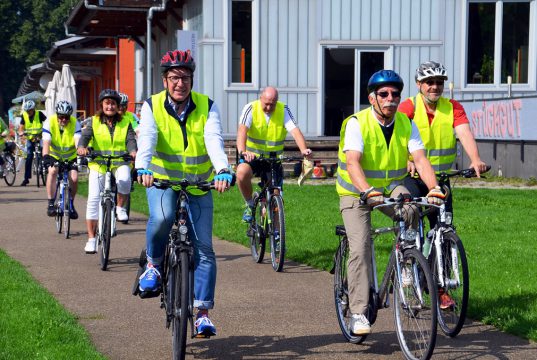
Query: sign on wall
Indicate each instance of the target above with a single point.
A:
(188, 40)
(503, 119)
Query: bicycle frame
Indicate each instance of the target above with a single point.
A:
(107, 193)
(62, 190)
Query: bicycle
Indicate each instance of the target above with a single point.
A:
(62, 202)
(177, 297)
(37, 164)
(106, 228)
(268, 215)
(407, 276)
(447, 258)
(10, 171)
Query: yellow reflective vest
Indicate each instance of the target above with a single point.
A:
(33, 126)
(381, 164)
(62, 145)
(170, 159)
(438, 137)
(263, 138)
(104, 144)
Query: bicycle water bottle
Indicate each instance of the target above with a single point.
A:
(427, 245)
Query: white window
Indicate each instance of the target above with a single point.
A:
(500, 42)
(241, 44)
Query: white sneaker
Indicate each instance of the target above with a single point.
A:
(406, 277)
(360, 325)
(121, 214)
(91, 246)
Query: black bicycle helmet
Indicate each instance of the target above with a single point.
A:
(64, 107)
(383, 78)
(176, 59)
(431, 69)
(109, 94)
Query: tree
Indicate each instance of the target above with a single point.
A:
(27, 31)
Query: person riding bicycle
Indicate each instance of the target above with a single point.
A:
(263, 126)
(110, 134)
(123, 104)
(373, 153)
(181, 137)
(436, 117)
(8, 146)
(32, 121)
(61, 133)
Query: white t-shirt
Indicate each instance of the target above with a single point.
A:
(354, 140)
(288, 121)
(48, 137)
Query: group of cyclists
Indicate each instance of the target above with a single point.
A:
(180, 136)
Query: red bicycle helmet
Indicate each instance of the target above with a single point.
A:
(177, 58)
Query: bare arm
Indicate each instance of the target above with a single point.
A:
(300, 141)
(46, 147)
(470, 147)
(424, 168)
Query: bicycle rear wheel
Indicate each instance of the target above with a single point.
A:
(456, 283)
(66, 213)
(277, 235)
(415, 311)
(341, 293)
(256, 232)
(181, 311)
(105, 236)
(10, 171)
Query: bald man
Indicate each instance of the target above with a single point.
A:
(263, 126)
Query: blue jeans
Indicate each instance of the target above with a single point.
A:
(161, 216)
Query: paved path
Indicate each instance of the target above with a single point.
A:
(260, 314)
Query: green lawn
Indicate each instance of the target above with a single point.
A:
(32, 323)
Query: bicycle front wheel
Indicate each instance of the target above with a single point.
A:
(105, 236)
(10, 170)
(341, 293)
(453, 295)
(415, 306)
(256, 232)
(42, 172)
(277, 235)
(35, 166)
(66, 213)
(181, 311)
(58, 207)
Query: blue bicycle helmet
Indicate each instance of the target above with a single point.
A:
(383, 78)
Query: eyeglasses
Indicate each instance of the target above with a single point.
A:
(63, 117)
(184, 79)
(384, 94)
(434, 82)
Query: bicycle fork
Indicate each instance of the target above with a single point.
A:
(443, 282)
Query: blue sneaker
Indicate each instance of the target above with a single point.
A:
(204, 326)
(150, 279)
(247, 216)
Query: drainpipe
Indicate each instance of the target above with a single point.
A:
(149, 72)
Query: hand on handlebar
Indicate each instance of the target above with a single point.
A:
(145, 177)
(307, 153)
(223, 181)
(436, 196)
(372, 197)
(479, 167)
(248, 156)
(82, 151)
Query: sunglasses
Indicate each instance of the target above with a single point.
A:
(385, 94)
(434, 82)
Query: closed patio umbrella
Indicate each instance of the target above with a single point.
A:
(67, 90)
(51, 94)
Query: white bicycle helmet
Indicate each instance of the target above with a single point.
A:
(28, 105)
(124, 99)
(431, 69)
(64, 107)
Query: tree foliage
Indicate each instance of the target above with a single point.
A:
(27, 31)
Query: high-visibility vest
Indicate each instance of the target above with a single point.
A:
(132, 120)
(104, 144)
(381, 164)
(170, 159)
(263, 138)
(33, 127)
(438, 137)
(62, 144)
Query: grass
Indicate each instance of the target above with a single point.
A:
(32, 324)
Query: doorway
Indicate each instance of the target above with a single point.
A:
(344, 68)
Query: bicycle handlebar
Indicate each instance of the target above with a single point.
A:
(94, 155)
(405, 200)
(467, 173)
(184, 183)
(275, 158)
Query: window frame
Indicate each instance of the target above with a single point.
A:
(497, 85)
(229, 84)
